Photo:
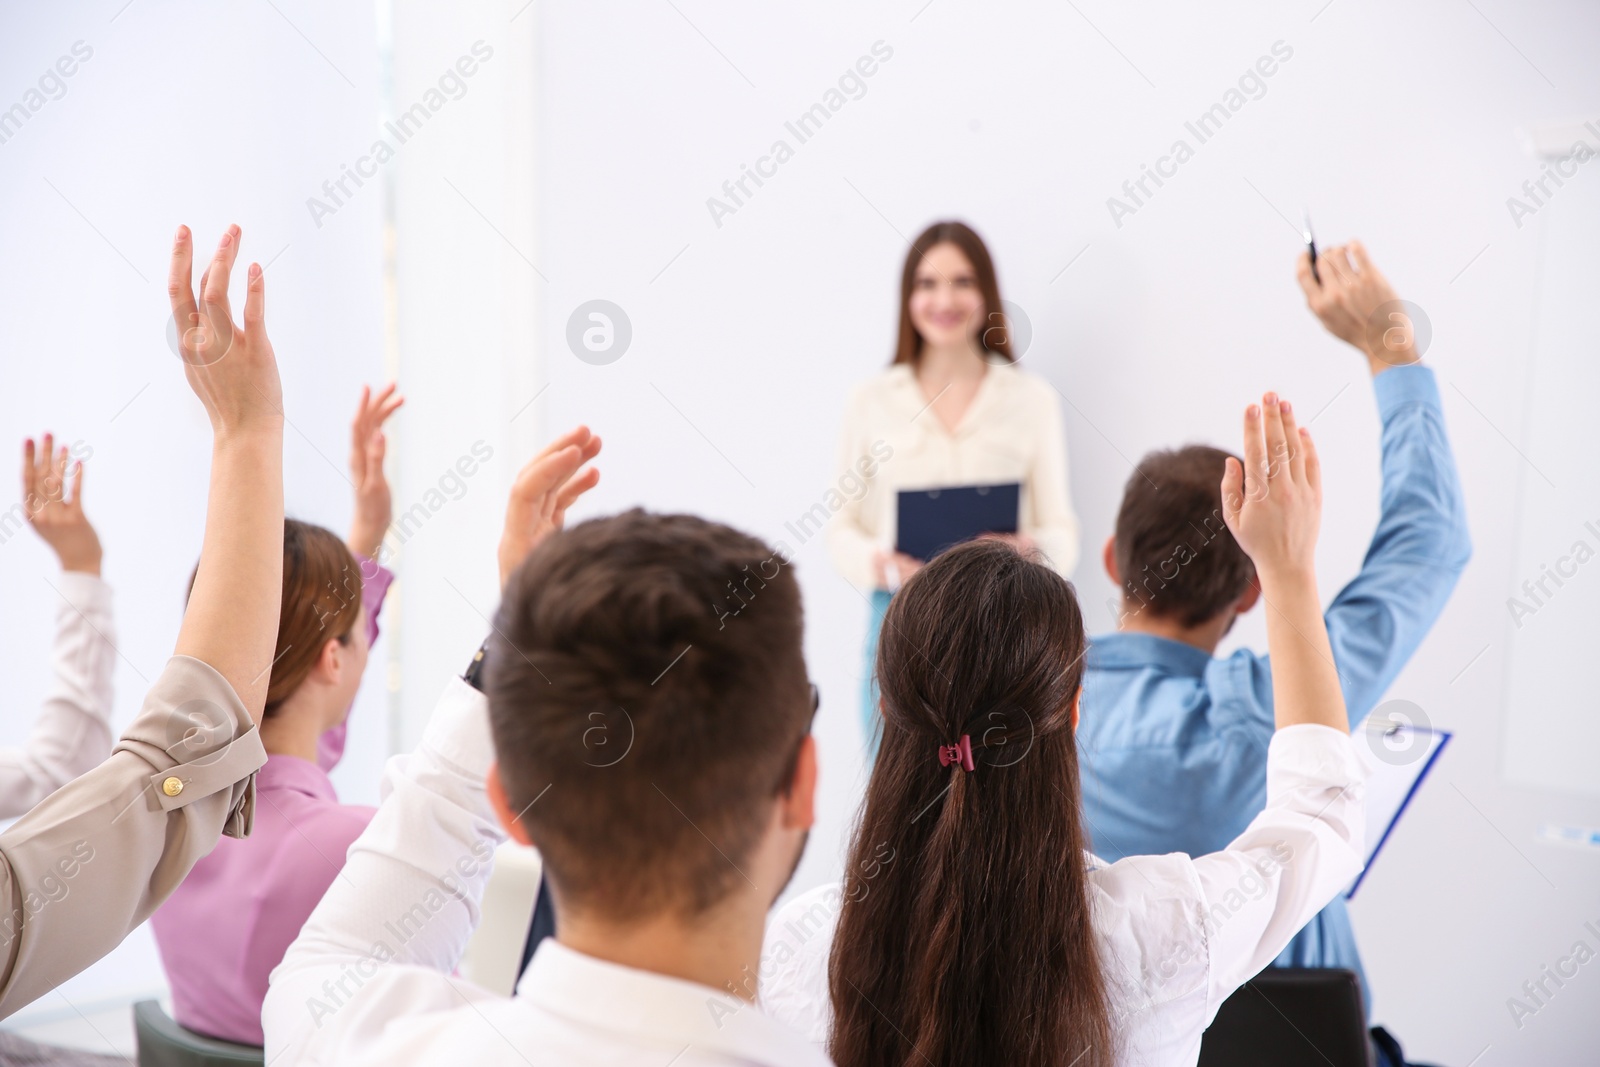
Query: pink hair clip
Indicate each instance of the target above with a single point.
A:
(960, 752)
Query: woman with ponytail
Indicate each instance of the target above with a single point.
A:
(974, 926)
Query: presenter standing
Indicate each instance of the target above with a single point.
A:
(952, 409)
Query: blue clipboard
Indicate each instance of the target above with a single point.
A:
(1405, 782)
(928, 521)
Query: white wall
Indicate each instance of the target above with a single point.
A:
(203, 115)
(466, 304)
(1394, 124)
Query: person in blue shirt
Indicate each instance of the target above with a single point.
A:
(1174, 739)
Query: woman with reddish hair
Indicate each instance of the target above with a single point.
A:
(228, 925)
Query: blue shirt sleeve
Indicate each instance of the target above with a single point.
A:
(1418, 552)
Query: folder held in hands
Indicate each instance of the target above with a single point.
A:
(932, 520)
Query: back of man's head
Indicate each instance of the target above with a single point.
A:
(1174, 553)
(647, 672)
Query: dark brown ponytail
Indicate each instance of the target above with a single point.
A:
(974, 947)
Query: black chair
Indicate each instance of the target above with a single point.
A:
(163, 1043)
(1290, 1017)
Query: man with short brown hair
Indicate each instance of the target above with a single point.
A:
(1173, 739)
(651, 717)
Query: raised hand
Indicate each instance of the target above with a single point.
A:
(1273, 503)
(231, 369)
(231, 621)
(1350, 300)
(374, 509)
(1273, 506)
(543, 491)
(60, 521)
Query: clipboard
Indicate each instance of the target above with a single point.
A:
(928, 521)
(1391, 785)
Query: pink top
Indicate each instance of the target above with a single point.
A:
(230, 922)
(375, 579)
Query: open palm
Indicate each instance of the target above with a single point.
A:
(54, 513)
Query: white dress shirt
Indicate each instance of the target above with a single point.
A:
(1177, 935)
(368, 981)
(1011, 432)
(73, 732)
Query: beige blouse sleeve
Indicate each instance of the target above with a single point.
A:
(850, 544)
(92, 860)
(1053, 523)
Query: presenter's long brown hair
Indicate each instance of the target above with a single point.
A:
(972, 945)
(996, 333)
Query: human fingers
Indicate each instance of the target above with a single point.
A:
(541, 476)
(591, 447)
(29, 477)
(1308, 281)
(41, 484)
(1291, 440)
(1232, 492)
(382, 403)
(362, 406)
(1335, 266)
(358, 431)
(214, 286)
(578, 435)
(1313, 465)
(1255, 453)
(1358, 256)
(255, 304)
(575, 487)
(180, 281)
(390, 406)
(1277, 446)
(77, 487)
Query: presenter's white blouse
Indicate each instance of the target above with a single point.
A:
(1177, 935)
(1011, 432)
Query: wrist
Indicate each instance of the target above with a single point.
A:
(1286, 579)
(252, 438)
(1380, 357)
(366, 541)
(82, 566)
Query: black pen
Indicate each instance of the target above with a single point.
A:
(1311, 245)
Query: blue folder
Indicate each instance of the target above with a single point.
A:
(932, 520)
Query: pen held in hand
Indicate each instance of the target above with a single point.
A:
(1311, 244)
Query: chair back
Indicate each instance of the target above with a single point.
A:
(163, 1043)
(1290, 1017)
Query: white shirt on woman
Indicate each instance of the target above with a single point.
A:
(1177, 935)
(1011, 432)
(72, 734)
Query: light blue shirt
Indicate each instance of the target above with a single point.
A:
(1173, 742)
